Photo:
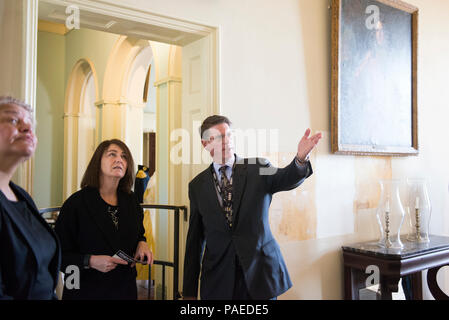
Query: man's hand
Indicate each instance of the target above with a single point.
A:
(307, 144)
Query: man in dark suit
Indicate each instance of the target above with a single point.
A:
(229, 239)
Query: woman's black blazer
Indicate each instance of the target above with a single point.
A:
(85, 227)
(19, 254)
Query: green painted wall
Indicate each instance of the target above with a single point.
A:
(91, 44)
(49, 154)
(57, 55)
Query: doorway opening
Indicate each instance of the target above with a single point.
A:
(125, 79)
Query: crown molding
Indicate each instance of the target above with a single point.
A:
(52, 27)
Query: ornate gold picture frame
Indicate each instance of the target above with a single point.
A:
(374, 77)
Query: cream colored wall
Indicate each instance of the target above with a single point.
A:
(433, 98)
(275, 73)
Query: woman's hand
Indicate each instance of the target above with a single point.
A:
(142, 252)
(105, 263)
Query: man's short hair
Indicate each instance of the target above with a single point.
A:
(211, 121)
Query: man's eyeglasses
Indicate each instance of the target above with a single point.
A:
(221, 137)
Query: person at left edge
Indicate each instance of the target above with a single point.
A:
(30, 253)
(99, 220)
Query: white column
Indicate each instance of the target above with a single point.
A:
(122, 119)
(18, 64)
(70, 168)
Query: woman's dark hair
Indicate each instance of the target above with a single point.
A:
(91, 177)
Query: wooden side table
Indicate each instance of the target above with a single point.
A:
(394, 264)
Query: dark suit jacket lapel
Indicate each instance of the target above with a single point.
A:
(238, 187)
(56, 261)
(96, 208)
(20, 222)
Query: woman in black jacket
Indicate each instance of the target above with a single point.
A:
(98, 221)
(29, 249)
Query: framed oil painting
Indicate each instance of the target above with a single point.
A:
(374, 77)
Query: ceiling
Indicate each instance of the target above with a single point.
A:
(56, 13)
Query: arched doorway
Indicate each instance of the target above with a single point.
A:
(123, 110)
(123, 101)
(80, 122)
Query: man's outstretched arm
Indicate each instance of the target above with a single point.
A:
(290, 177)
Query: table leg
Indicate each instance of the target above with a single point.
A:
(351, 291)
(354, 281)
(388, 285)
(417, 286)
(434, 288)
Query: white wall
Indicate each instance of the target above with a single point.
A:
(275, 73)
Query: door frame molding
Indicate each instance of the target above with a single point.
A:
(148, 18)
(126, 12)
(25, 172)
